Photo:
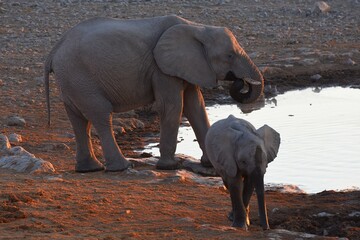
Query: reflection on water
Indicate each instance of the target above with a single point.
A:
(320, 132)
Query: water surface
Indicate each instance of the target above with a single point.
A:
(320, 137)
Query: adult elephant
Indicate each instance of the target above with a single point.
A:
(106, 65)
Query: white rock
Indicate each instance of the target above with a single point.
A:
(20, 160)
(15, 138)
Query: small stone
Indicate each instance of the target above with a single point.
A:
(15, 138)
(324, 214)
(54, 146)
(4, 143)
(320, 7)
(16, 121)
(354, 214)
(270, 90)
(309, 61)
(351, 62)
(327, 56)
(1, 83)
(275, 210)
(315, 77)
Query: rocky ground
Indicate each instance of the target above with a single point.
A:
(297, 44)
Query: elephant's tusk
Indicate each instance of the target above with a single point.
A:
(245, 89)
(252, 81)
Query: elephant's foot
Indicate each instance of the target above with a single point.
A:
(240, 224)
(265, 226)
(117, 166)
(230, 216)
(88, 165)
(205, 162)
(167, 164)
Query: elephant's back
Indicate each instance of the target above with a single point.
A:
(111, 56)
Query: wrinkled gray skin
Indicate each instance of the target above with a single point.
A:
(105, 65)
(240, 154)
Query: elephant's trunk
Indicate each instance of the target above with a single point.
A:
(248, 82)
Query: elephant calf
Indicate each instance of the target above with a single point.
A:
(240, 154)
(106, 65)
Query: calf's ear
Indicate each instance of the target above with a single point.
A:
(271, 141)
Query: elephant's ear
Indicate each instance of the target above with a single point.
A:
(180, 52)
(271, 141)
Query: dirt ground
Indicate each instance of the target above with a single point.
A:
(289, 40)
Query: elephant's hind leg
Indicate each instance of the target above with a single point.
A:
(114, 159)
(85, 157)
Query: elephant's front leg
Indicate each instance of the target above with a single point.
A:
(169, 103)
(194, 110)
(247, 193)
(236, 187)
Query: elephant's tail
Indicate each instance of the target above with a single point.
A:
(48, 68)
(47, 71)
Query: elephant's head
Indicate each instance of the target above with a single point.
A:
(202, 55)
(254, 149)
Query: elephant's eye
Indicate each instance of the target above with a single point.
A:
(230, 57)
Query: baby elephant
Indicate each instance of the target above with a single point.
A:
(240, 154)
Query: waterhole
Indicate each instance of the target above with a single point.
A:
(320, 137)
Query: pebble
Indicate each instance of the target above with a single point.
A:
(324, 214)
(321, 7)
(315, 77)
(16, 121)
(15, 138)
(309, 61)
(354, 214)
(4, 143)
(351, 62)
